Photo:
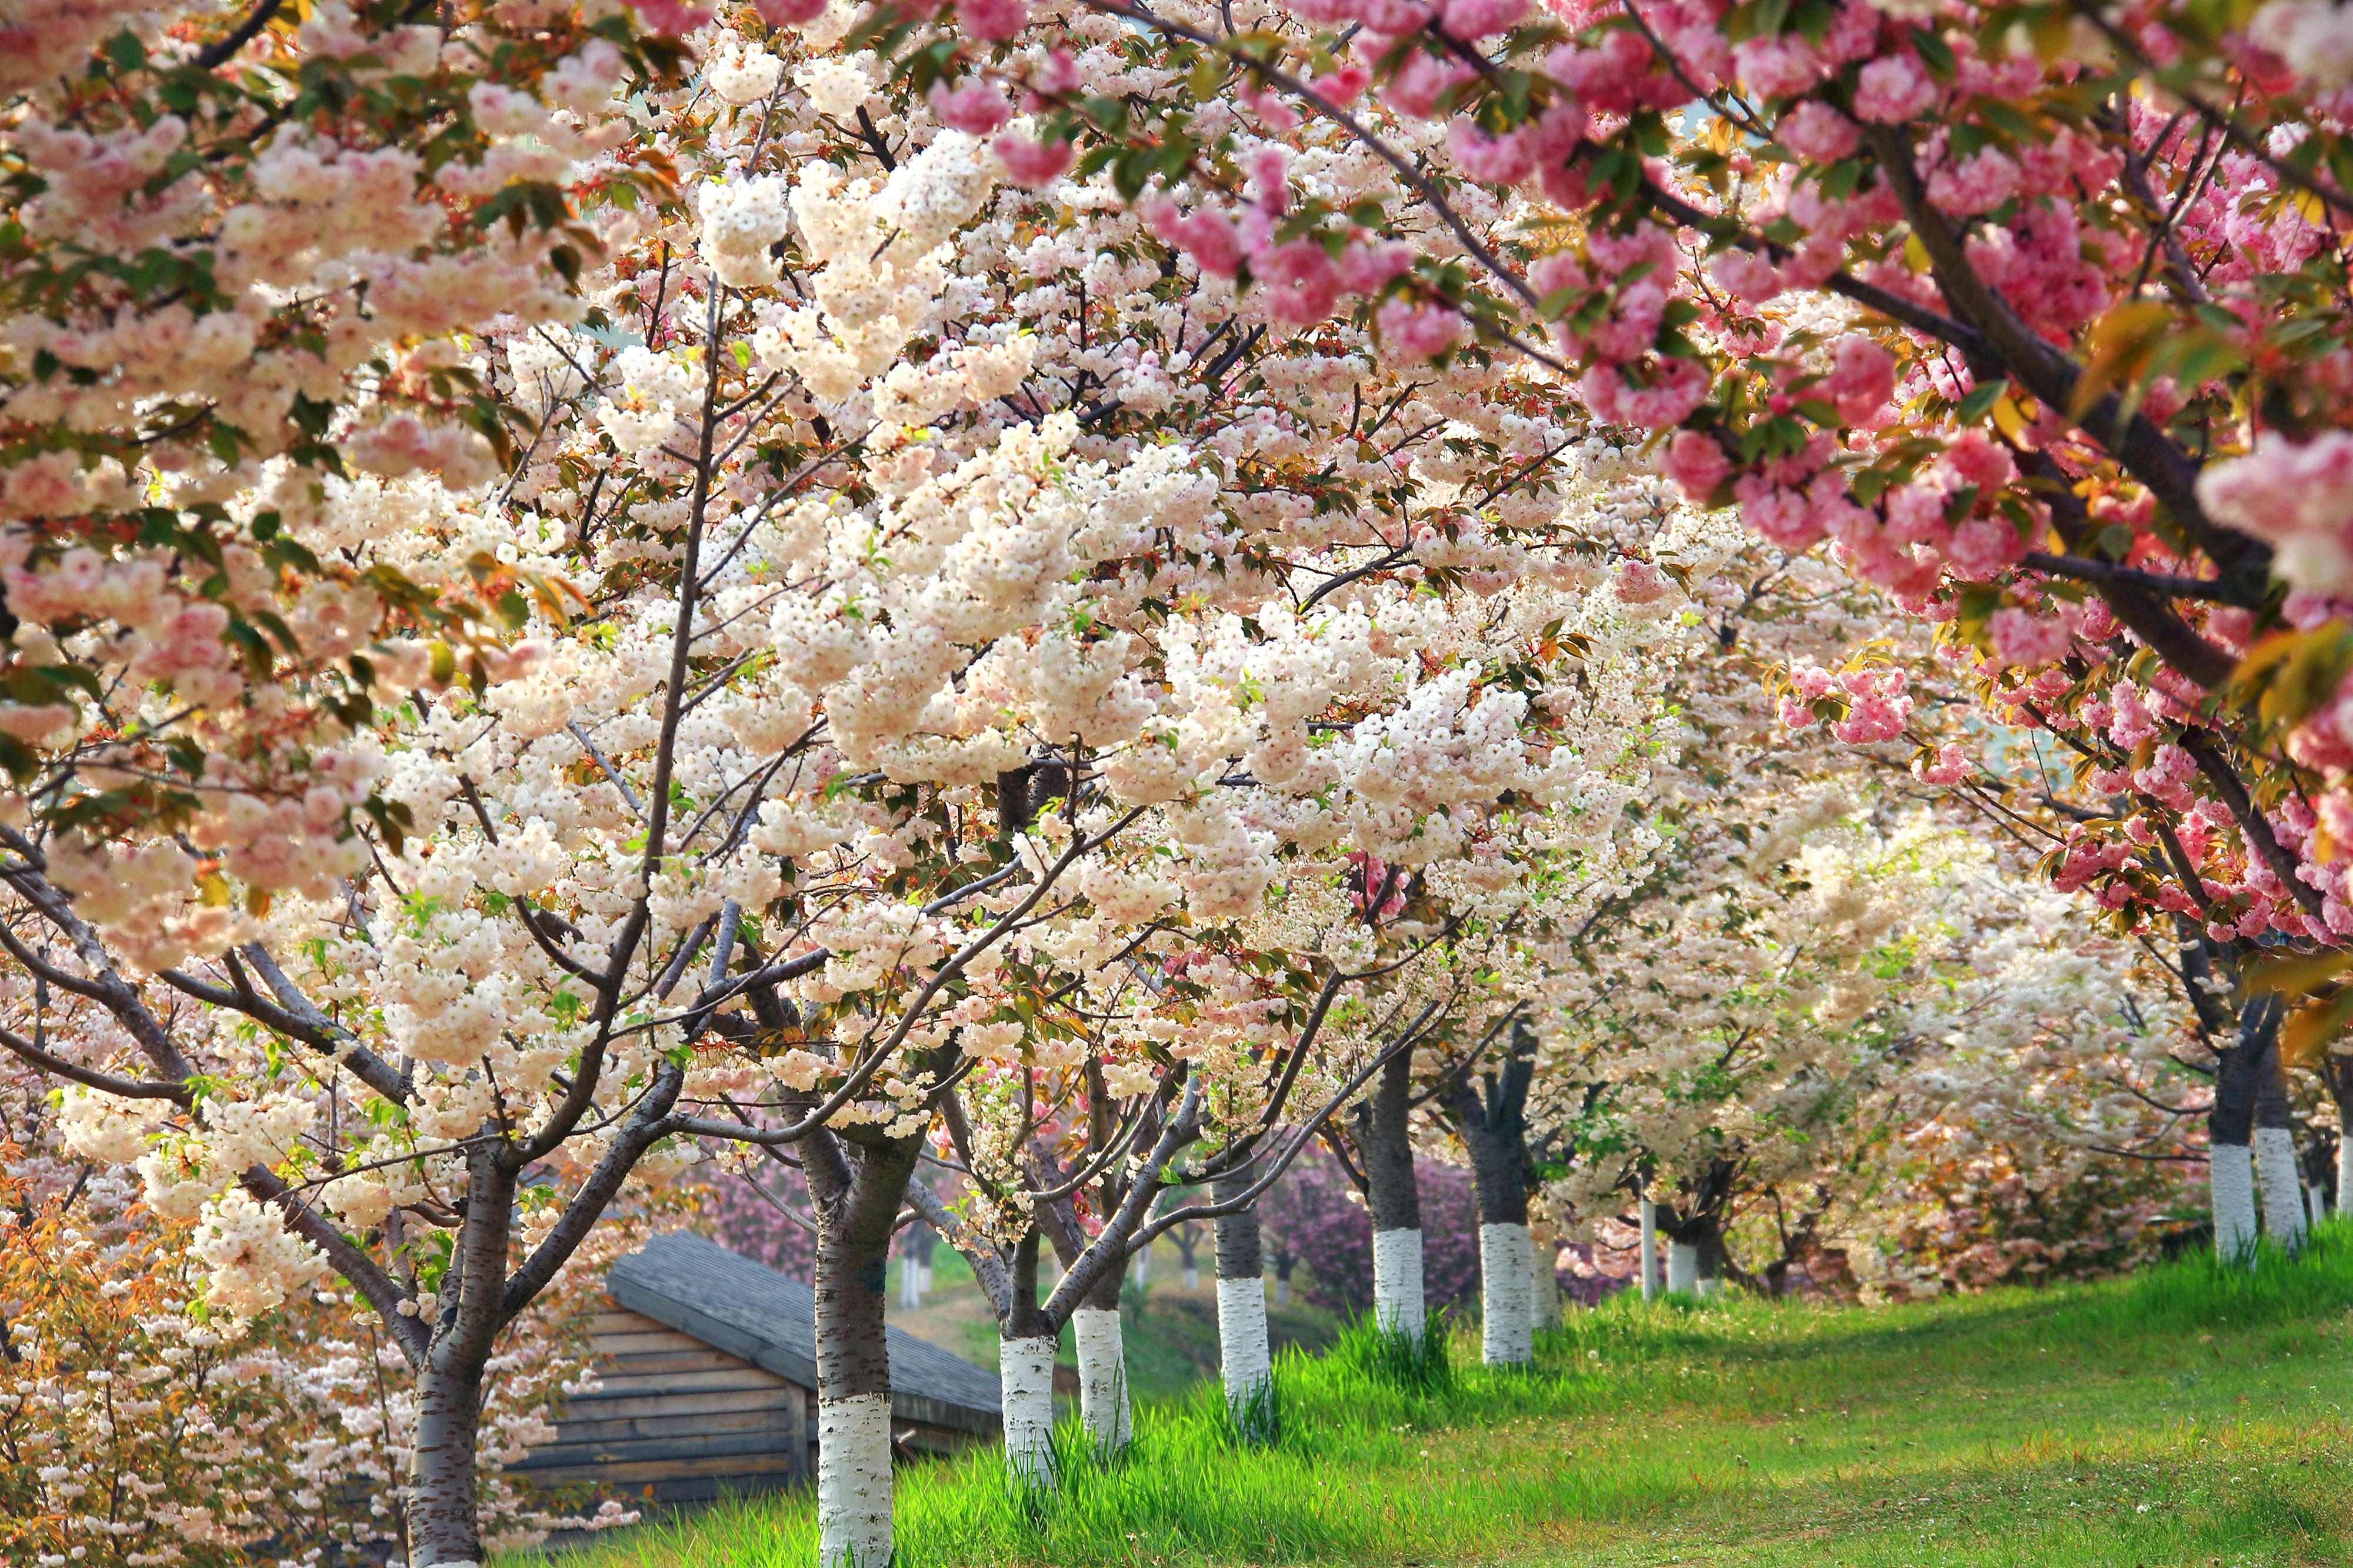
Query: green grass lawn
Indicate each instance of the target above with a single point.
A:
(2185, 1415)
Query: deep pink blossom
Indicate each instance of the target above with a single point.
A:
(1418, 330)
(973, 106)
(1032, 165)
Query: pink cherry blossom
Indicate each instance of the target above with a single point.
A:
(1893, 89)
(994, 20)
(1416, 328)
(1032, 165)
(973, 106)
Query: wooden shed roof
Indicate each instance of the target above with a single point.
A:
(748, 1310)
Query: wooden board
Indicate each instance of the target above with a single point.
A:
(674, 1420)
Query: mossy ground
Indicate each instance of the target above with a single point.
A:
(2186, 1415)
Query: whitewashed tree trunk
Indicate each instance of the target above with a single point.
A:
(2344, 1176)
(1398, 1299)
(911, 1283)
(1192, 1277)
(1102, 1378)
(2230, 1180)
(1683, 1268)
(1283, 1290)
(1649, 1252)
(1243, 1357)
(1505, 1336)
(2282, 1185)
(1543, 1281)
(1025, 1377)
(1708, 1286)
(1140, 1268)
(857, 1192)
(2315, 1201)
(853, 1481)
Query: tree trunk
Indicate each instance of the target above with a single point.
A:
(1025, 1376)
(1711, 1259)
(857, 1190)
(1399, 1298)
(1543, 1281)
(1648, 1253)
(1385, 1142)
(1103, 1368)
(915, 1265)
(1245, 1360)
(1683, 1268)
(2230, 1133)
(1494, 1130)
(2277, 1169)
(444, 1526)
(2339, 1072)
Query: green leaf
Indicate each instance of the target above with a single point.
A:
(1981, 401)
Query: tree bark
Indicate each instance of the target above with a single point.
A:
(444, 1526)
(1713, 1258)
(2277, 1169)
(914, 1264)
(1491, 1116)
(1244, 1358)
(1025, 1362)
(1384, 1137)
(1543, 1280)
(2339, 1073)
(857, 1189)
(1103, 1368)
(1683, 1268)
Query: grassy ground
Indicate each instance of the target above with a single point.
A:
(2182, 1416)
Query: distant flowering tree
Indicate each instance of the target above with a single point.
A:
(1316, 1213)
(762, 1213)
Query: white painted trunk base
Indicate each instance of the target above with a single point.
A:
(1650, 1250)
(853, 1481)
(1683, 1268)
(2344, 1174)
(2315, 1203)
(1543, 1283)
(1192, 1277)
(911, 1284)
(1139, 1268)
(2282, 1183)
(1242, 1354)
(1399, 1301)
(1709, 1284)
(1282, 1292)
(1025, 1381)
(1103, 1377)
(2230, 1182)
(1504, 1337)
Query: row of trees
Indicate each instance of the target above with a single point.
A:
(1722, 612)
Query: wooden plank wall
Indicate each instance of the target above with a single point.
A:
(675, 1421)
